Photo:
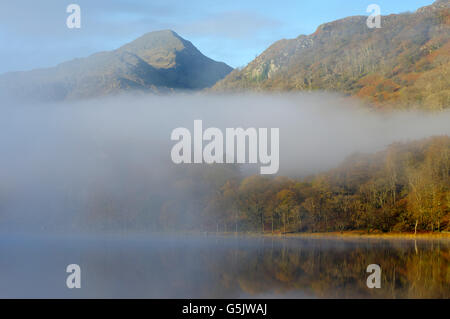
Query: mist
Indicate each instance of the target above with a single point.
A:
(105, 165)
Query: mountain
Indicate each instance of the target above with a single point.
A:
(156, 61)
(405, 63)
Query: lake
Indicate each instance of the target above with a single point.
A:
(184, 266)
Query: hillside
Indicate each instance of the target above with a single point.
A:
(403, 64)
(404, 188)
(156, 61)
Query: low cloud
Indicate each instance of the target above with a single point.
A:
(89, 163)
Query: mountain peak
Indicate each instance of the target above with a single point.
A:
(161, 38)
(159, 48)
(158, 60)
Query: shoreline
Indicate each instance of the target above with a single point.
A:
(319, 235)
(363, 234)
(344, 235)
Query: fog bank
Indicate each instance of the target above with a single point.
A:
(62, 164)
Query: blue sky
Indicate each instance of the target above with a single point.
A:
(34, 34)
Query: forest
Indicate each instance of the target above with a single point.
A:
(404, 188)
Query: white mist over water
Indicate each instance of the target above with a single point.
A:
(72, 174)
(61, 162)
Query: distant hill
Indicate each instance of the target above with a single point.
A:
(156, 61)
(405, 63)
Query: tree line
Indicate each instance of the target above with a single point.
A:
(405, 188)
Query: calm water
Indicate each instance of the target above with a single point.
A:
(223, 267)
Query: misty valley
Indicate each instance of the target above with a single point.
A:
(313, 163)
(93, 184)
(105, 166)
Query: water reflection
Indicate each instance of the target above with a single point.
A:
(223, 267)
